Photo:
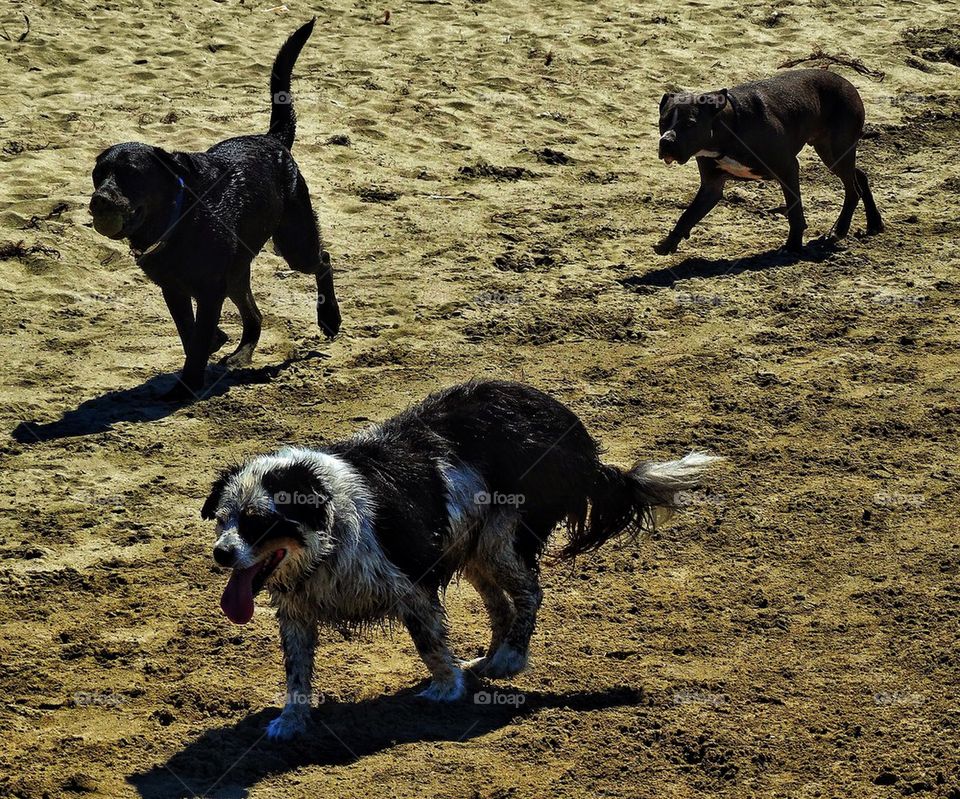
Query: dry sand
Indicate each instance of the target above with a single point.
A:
(793, 634)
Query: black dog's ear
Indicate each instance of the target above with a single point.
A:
(298, 494)
(666, 99)
(209, 509)
(717, 101)
(179, 164)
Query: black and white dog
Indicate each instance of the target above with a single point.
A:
(470, 481)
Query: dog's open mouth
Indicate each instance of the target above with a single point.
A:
(668, 159)
(245, 584)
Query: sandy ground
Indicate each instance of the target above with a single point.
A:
(794, 633)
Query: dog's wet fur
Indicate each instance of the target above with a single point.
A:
(472, 481)
(754, 132)
(197, 221)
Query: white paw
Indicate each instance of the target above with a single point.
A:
(506, 662)
(446, 691)
(286, 726)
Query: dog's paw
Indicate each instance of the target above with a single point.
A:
(328, 316)
(239, 358)
(447, 690)
(666, 246)
(794, 245)
(285, 727)
(180, 392)
(506, 662)
(219, 339)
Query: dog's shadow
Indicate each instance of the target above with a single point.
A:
(228, 761)
(144, 403)
(815, 250)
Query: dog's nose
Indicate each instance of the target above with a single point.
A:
(100, 204)
(225, 556)
(669, 137)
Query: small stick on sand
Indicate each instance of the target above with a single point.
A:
(22, 36)
(843, 59)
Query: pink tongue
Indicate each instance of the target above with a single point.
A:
(237, 599)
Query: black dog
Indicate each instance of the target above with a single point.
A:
(196, 221)
(754, 132)
(471, 481)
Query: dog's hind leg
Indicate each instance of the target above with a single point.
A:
(297, 239)
(841, 159)
(242, 296)
(499, 609)
(425, 620)
(519, 581)
(874, 220)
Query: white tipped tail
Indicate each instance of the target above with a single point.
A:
(679, 475)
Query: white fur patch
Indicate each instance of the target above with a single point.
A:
(463, 487)
(706, 154)
(733, 167)
(286, 726)
(447, 691)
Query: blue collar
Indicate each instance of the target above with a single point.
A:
(174, 218)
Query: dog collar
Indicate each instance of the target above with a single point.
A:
(174, 218)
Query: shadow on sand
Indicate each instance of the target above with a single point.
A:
(228, 761)
(143, 403)
(815, 250)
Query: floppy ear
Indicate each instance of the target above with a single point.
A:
(298, 494)
(179, 164)
(209, 509)
(717, 101)
(666, 99)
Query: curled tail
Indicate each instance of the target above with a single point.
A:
(635, 502)
(283, 121)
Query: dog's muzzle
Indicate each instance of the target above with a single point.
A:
(667, 142)
(225, 556)
(109, 216)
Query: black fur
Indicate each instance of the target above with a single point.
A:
(212, 502)
(236, 196)
(523, 443)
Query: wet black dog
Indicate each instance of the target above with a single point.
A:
(754, 132)
(197, 220)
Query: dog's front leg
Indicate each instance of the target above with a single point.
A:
(790, 183)
(709, 194)
(299, 637)
(181, 310)
(425, 620)
(209, 306)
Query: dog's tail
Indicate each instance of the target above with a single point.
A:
(283, 121)
(635, 502)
